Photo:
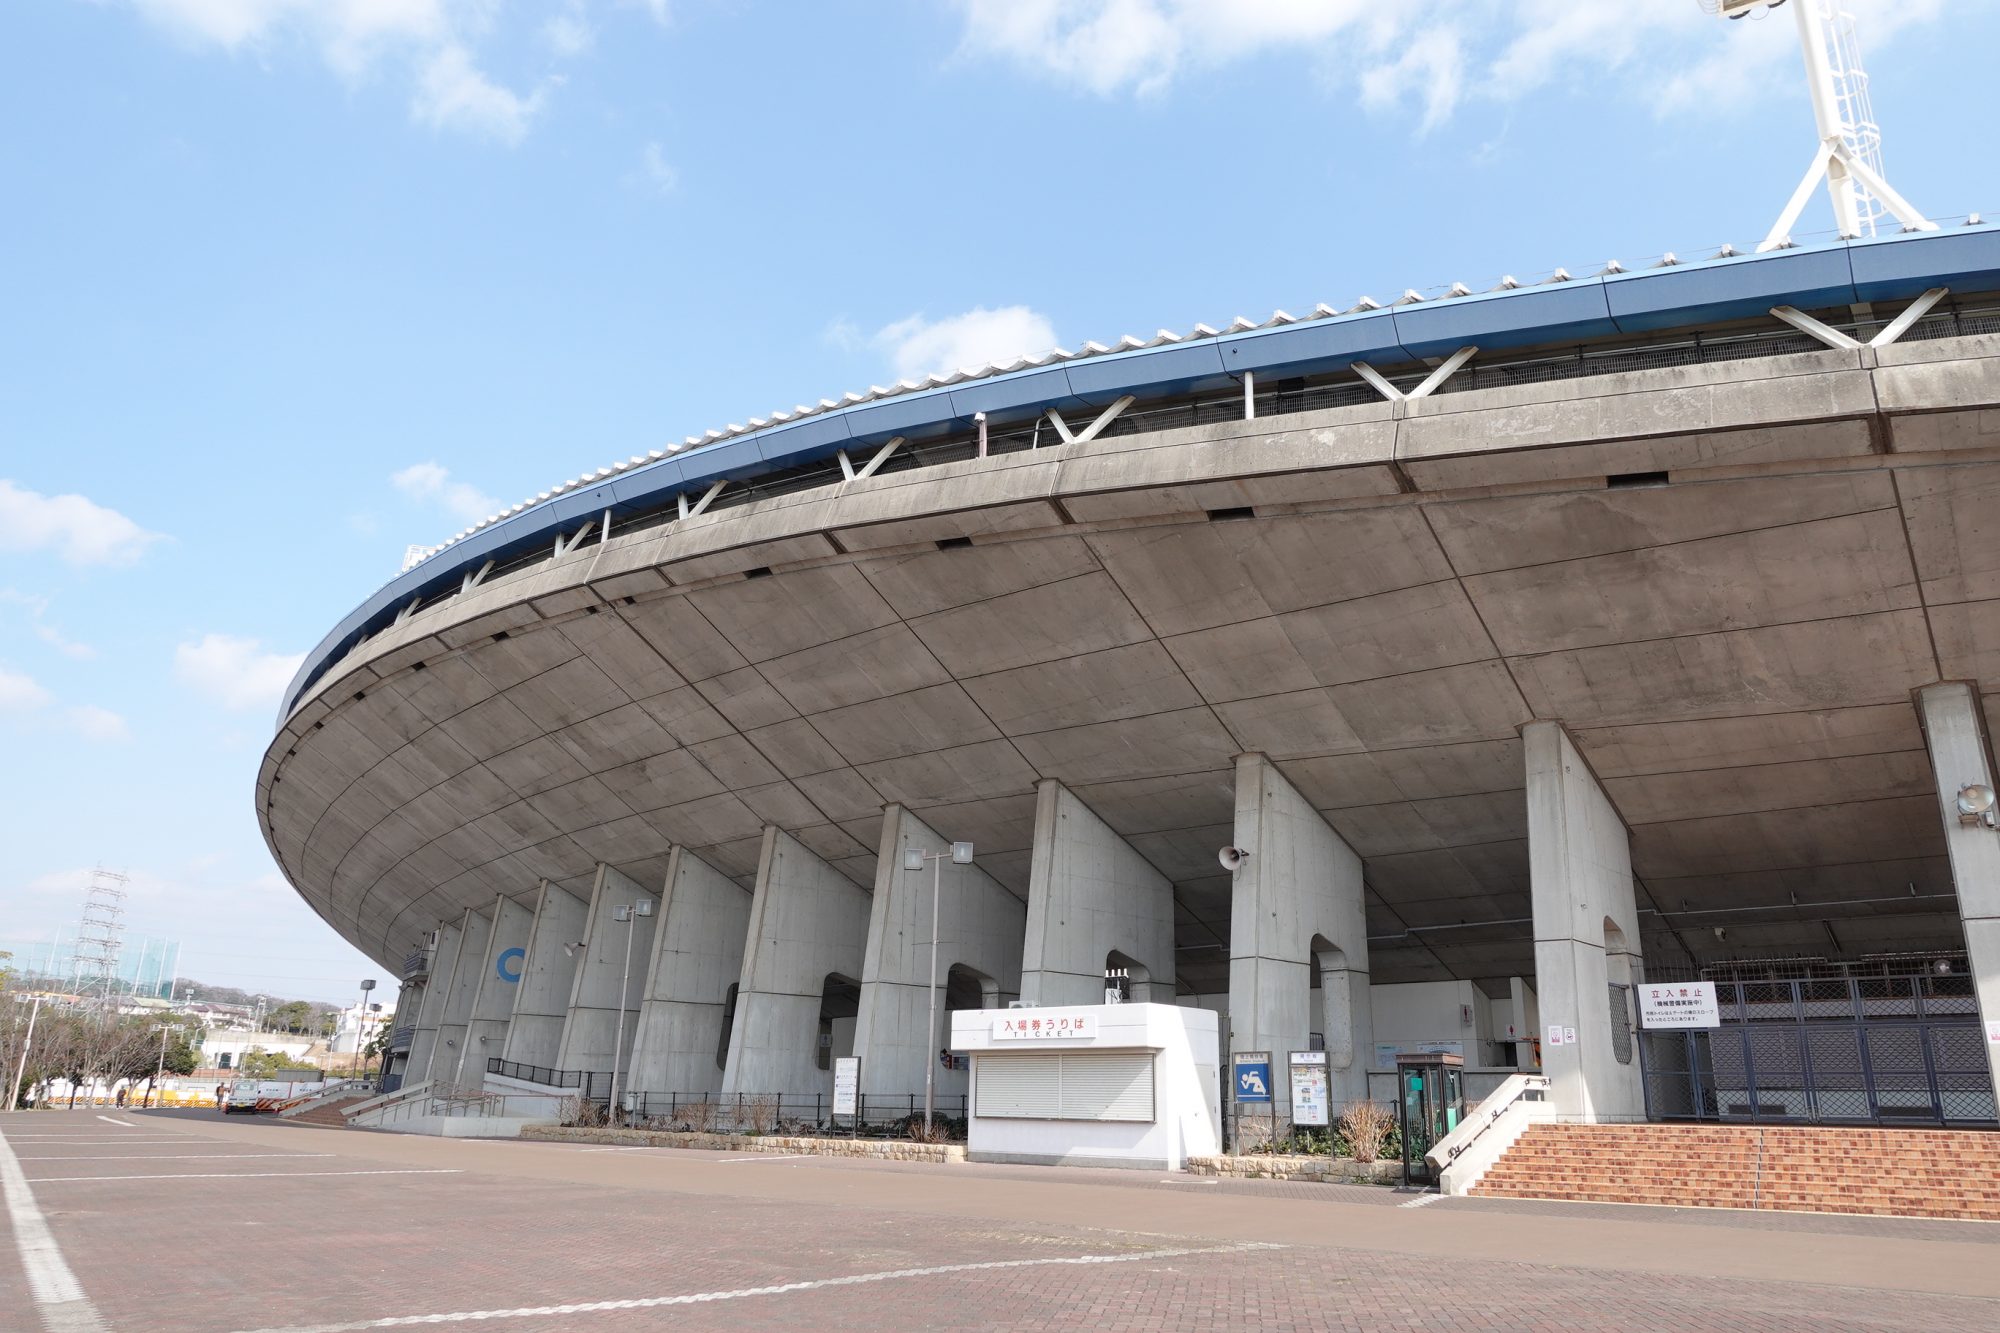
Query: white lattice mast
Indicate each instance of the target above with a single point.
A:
(1848, 157)
(101, 935)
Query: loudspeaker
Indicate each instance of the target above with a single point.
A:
(1232, 858)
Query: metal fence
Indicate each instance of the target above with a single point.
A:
(878, 1115)
(1828, 1049)
(591, 1086)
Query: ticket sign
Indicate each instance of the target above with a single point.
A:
(1309, 1090)
(1679, 1004)
(1044, 1025)
(1253, 1076)
(846, 1084)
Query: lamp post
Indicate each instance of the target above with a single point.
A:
(960, 854)
(627, 913)
(21, 1071)
(360, 1024)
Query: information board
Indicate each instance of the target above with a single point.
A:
(1678, 1004)
(846, 1084)
(1309, 1088)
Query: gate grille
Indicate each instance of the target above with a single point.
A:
(1876, 1049)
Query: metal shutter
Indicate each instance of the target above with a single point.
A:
(1077, 1085)
(1022, 1087)
(1108, 1087)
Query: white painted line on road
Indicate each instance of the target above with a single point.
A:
(1421, 1201)
(635, 1148)
(766, 1157)
(109, 1121)
(95, 1138)
(250, 1175)
(64, 1307)
(781, 1289)
(1210, 1181)
(171, 1156)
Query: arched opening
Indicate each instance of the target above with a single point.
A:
(1335, 984)
(964, 988)
(728, 1025)
(1618, 978)
(839, 1002)
(1135, 986)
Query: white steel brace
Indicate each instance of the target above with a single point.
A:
(565, 545)
(409, 609)
(1890, 332)
(848, 472)
(691, 510)
(1090, 432)
(474, 579)
(1249, 395)
(1811, 327)
(1446, 369)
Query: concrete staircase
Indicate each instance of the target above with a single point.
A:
(1888, 1172)
(329, 1112)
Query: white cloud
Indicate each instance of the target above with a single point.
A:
(432, 39)
(62, 643)
(80, 531)
(569, 33)
(97, 724)
(21, 693)
(1434, 56)
(453, 94)
(432, 482)
(979, 337)
(235, 672)
(654, 172)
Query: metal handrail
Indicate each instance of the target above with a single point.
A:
(1481, 1118)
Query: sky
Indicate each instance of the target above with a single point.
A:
(289, 285)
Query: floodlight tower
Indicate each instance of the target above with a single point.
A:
(1849, 154)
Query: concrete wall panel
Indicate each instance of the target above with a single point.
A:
(697, 956)
(1089, 893)
(610, 975)
(548, 974)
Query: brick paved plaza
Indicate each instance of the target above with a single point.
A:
(182, 1221)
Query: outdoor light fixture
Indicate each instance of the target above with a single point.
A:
(1975, 804)
(961, 853)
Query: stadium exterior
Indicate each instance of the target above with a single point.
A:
(1529, 643)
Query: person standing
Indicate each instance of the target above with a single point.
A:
(222, 1097)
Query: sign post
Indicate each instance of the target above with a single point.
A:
(847, 1091)
(1310, 1104)
(1252, 1086)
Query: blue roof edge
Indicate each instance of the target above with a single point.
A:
(1707, 291)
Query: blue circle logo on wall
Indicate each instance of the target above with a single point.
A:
(509, 964)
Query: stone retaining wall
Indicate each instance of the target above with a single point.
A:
(901, 1150)
(1285, 1167)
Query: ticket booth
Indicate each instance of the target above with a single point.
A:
(1134, 1085)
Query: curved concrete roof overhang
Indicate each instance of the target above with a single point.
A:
(1376, 596)
(1561, 310)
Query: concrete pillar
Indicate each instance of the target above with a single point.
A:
(979, 928)
(1586, 931)
(1090, 894)
(430, 1010)
(610, 977)
(493, 999)
(704, 917)
(475, 933)
(807, 922)
(1296, 900)
(1962, 755)
(1526, 1021)
(548, 975)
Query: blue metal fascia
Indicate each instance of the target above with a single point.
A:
(913, 416)
(1184, 367)
(813, 438)
(1315, 346)
(1495, 321)
(1897, 268)
(1740, 287)
(1016, 397)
